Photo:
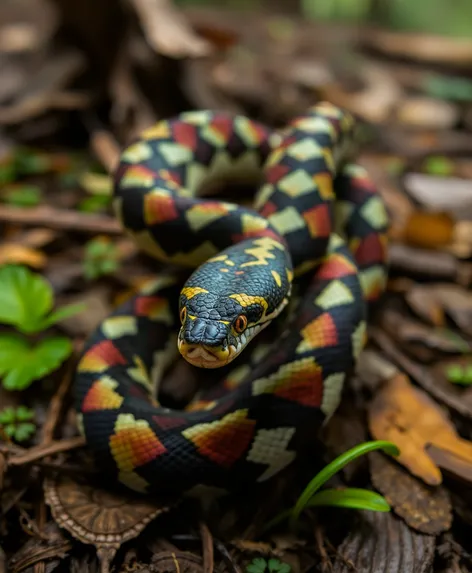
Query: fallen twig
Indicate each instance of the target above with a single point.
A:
(41, 451)
(55, 408)
(60, 219)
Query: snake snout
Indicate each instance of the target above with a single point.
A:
(204, 343)
(203, 331)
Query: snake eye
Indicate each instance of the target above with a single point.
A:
(240, 324)
(183, 314)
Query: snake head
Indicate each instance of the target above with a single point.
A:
(224, 306)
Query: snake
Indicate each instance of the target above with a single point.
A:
(303, 262)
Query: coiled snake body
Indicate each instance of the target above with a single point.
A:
(317, 225)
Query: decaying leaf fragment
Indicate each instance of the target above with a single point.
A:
(409, 418)
(99, 517)
(382, 543)
(426, 509)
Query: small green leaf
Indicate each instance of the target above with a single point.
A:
(7, 415)
(22, 195)
(352, 498)
(334, 467)
(13, 349)
(437, 165)
(25, 298)
(108, 266)
(94, 204)
(257, 565)
(23, 431)
(24, 414)
(10, 430)
(276, 566)
(14, 424)
(21, 364)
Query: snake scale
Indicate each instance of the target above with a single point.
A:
(312, 249)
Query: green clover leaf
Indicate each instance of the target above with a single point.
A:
(258, 565)
(15, 423)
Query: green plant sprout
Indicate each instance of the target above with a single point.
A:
(352, 498)
(458, 374)
(26, 303)
(22, 195)
(16, 423)
(94, 204)
(260, 565)
(101, 257)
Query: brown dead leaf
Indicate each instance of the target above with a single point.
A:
(426, 509)
(446, 194)
(383, 543)
(51, 548)
(424, 301)
(429, 263)
(167, 31)
(411, 332)
(18, 254)
(457, 302)
(423, 47)
(374, 369)
(428, 230)
(430, 379)
(44, 88)
(409, 418)
(376, 101)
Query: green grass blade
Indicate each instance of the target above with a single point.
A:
(352, 498)
(334, 467)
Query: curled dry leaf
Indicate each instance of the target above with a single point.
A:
(426, 509)
(99, 517)
(382, 543)
(409, 418)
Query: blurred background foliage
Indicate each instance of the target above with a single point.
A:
(444, 17)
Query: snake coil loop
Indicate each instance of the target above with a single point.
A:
(315, 240)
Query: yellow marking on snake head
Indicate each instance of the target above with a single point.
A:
(262, 252)
(246, 300)
(229, 262)
(218, 259)
(289, 275)
(277, 278)
(190, 292)
(224, 270)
